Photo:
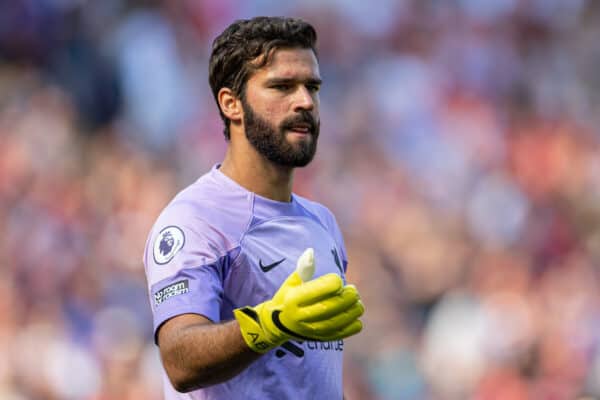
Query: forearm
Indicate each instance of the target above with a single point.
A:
(199, 353)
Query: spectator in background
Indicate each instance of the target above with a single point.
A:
(477, 117)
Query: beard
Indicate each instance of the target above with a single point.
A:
(271, 142)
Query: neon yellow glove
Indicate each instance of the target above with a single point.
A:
(322, 309)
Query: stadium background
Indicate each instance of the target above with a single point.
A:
(459, 151)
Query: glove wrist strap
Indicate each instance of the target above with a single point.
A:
(252, 331)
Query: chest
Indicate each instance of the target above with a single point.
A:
(269, 252)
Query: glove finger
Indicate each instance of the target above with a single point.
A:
(336, 322)
(316, 290)
(329, 307)
(338, 327)
(351, 329)
(292, 281)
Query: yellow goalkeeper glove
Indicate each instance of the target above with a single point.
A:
(322, 309)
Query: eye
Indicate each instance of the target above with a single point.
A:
(313, 88)
(283, 87)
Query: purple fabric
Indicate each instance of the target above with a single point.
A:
(217, 247)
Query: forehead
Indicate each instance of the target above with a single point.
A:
(293, 63)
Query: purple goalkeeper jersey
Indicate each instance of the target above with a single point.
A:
(217, 247)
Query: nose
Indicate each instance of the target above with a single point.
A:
(304, 99)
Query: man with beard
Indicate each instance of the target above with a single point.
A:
(249, 298)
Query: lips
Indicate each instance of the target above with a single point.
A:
(302, 123)
(301, 128)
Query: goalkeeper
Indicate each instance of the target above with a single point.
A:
(247, 279)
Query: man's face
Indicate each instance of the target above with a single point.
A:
(281, 108)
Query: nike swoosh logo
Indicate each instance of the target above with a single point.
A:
(267, 268)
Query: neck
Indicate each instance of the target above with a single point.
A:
(257, 174)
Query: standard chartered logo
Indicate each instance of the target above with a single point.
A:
(298, 349)
(337, 345)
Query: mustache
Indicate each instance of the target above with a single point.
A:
(303, 117)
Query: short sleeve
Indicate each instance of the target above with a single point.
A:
(186, 261)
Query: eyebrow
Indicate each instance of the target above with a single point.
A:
(280, 81)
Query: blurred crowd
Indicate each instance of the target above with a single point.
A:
(460, 152)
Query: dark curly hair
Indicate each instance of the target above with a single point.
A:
(243, 41)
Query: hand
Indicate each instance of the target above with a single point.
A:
(322, 309)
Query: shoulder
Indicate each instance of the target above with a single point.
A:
(319, 212)
(316, 209)
(207, 203)
(205, 217)
(326, 218)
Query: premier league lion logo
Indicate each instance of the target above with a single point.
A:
(167, 243)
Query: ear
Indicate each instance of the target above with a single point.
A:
(230, 105)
